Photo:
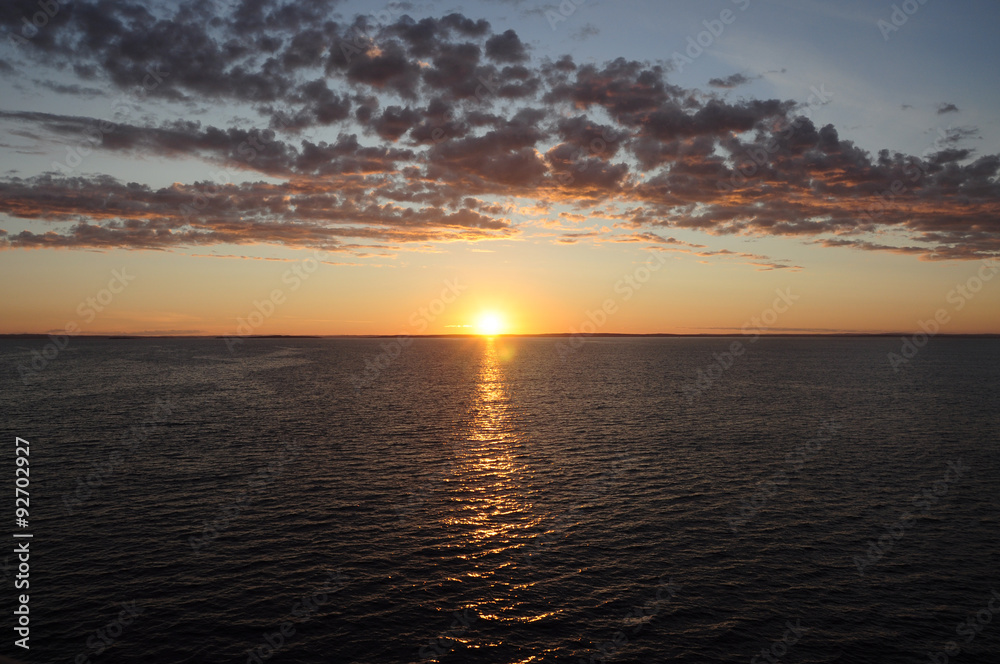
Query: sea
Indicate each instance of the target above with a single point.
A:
(508, 500)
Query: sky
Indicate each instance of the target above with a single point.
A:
(334, 167)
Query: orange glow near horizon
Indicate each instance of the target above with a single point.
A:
(504, 293)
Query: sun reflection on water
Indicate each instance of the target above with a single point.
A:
(488, 470)
(494, 512)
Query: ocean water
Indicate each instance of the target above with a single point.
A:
(508, 500)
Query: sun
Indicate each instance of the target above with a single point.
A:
(489, 324)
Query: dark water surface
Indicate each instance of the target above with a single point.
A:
(498, 501)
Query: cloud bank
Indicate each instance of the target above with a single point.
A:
(386, 129)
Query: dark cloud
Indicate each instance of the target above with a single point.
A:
(506, 47)
(588, 30)
(622, 87)
(954, 135)
(395, 121)
(655, 239)
(466, 26)
(453, 70)
(395, 129)
(321, 104)
(386, 67)
(729, 82)
(595, 139)
(69, 89)
(106, 213)
(947, 108)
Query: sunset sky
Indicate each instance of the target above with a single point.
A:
(405, 168)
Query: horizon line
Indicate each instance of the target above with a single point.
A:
(467, 335)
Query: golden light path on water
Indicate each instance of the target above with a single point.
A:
(495, 511)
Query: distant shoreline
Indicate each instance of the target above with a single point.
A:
(597, 335)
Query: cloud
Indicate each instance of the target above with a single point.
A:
(70, 89)
(506, 47)
(573, 238)
(947, 108)
(105, 213)
(655, 239)
(588, 30)
(729, 82)
(392, 130)
(955, 135)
